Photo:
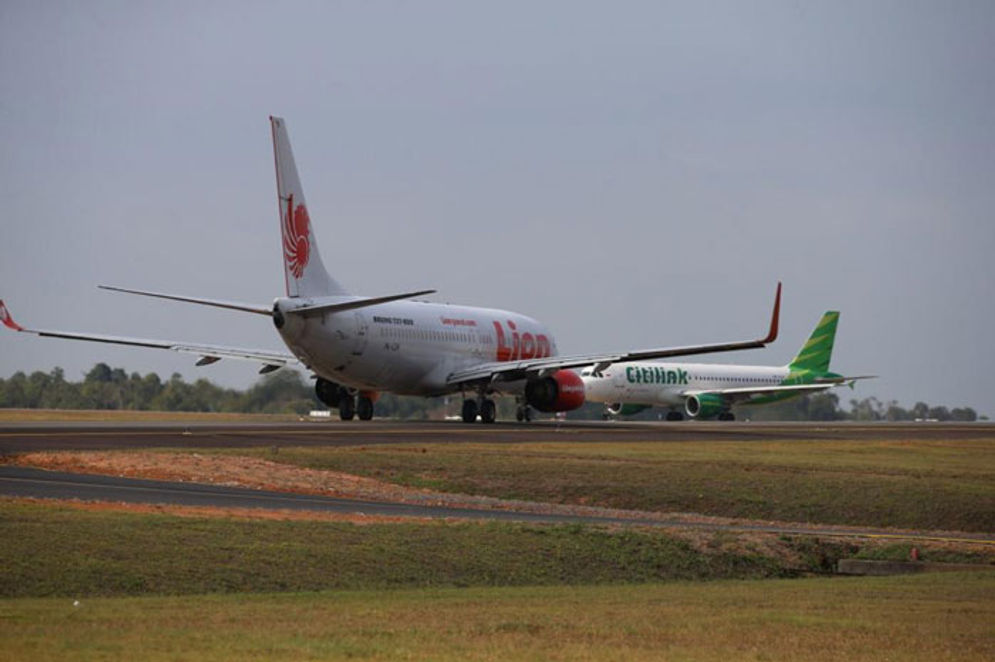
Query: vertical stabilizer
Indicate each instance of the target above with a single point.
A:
(815, 354)
(304, 272)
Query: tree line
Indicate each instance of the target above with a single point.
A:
(104, 387)
(287, 391)
(826, 406)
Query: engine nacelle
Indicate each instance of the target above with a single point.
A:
(619, 409)
(562, 391)
(704, 405)
(328, 392)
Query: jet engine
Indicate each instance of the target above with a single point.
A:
(561, 391)
(619, 409)
(704, 405)
(328, 392)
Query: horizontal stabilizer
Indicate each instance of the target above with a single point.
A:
(843, 380)
(352, 305)
(217, 303)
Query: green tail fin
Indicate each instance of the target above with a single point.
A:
(815, 354)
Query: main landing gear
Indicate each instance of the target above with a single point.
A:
(727, 416)
(523, 413)
(364, 408)
(486, 409)
(675, 416)
(360, 405)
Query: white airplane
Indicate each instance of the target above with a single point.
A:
(358, 346)
(701, 390)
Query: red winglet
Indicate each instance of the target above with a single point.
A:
(7, 320)
(775, 318)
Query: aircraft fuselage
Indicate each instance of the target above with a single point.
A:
(408, 347)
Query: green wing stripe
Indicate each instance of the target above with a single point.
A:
(815, 354)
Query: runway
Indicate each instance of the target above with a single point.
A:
(25, 482)
(25, 437)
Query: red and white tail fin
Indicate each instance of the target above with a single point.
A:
(304, 272)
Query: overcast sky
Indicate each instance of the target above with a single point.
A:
(634, 174)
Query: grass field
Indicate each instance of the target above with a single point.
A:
(926, 617)
(163, 587)
(53, 550)
(62, 551)
(936, 485)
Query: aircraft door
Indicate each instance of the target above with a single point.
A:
(361, 334)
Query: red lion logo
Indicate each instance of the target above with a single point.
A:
(296, 238)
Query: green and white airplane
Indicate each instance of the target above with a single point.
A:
(702, 390)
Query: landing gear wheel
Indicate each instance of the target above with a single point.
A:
(523, 413)
(675, 416)
(727, 416)
(469, 411)
(364, 408)
(347, 407)
(488, 411)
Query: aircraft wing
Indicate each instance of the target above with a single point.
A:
(747, 392)
(271, 360)
(497, 371)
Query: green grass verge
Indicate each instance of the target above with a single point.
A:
(49, 551)
(934, 617)
(933, 485)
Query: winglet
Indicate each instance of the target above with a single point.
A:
(775, 317)
(7, 320)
